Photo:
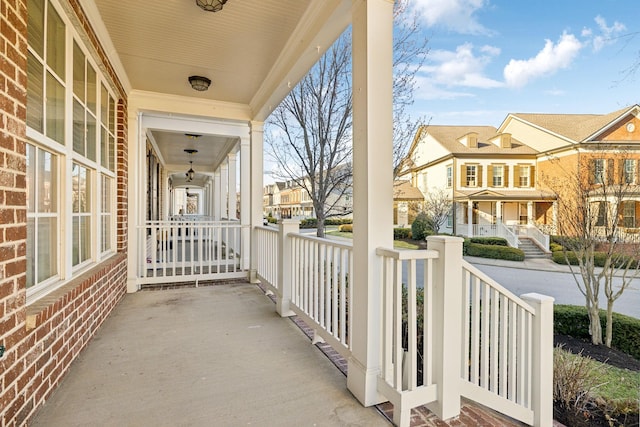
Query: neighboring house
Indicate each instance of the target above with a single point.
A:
(494, 174)
(408, 201)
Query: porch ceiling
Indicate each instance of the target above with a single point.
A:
(254, 52)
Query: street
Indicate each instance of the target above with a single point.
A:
(561, 286)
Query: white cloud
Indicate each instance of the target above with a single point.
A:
(608, 34)
(553, 57)
(454, 15)
(462, 67)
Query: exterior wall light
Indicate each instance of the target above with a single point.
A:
(199, 83)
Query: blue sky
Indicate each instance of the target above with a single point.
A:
(488, 58)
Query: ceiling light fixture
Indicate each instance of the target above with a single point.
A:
(199, 83)
(190, 173)
(211, 5)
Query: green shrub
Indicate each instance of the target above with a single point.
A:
(554, 247)
(490, 241)
(421, 227)
(346, 228)
(309, 223)
(494, 251)
(272, 220)
(338, 221)
(401, 233)
(599, 259)
(573, 320)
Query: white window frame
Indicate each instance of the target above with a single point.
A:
(524, 180)
(599, 171)
(629, 172)
(449, 176)
(629, 214)
(472, 171)
(497, 176)
(66, 157)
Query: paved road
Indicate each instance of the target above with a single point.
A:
(559, 285)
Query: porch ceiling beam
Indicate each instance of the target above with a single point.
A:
(322, 23)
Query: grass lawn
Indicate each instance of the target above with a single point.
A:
(397, 244)
(615, 385)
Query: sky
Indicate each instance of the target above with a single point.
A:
(488, 58)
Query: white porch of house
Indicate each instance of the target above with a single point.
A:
(350, 294)
(510, 220)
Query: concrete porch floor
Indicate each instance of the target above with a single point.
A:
(208, 356)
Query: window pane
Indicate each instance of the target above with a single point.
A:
(85, 240)
(55, 42)
(78, 72)
(106, 233)
(35, 93)
(55, 109)
(31, 178)
(104, 106)
(78, 127)
(112, 153)
(75, 226)
(92, 97)
(47, 248)
(35, 27)
(106, 195)
(112, 115)
(91, 137)
(75, 192)
(47, 183)
(104, 147)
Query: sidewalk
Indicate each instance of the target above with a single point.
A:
(542, 264)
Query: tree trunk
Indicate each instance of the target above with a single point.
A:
(609, 325)
(320, 229)
(595, 328)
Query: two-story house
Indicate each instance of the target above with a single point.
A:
(501, 177)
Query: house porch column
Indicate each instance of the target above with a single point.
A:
(232, 193)
(217, 195)
(469, 218)
(372, 53)
(224, 190)
(257, 142)
(530, 218)
(499, 212)
(245, 198)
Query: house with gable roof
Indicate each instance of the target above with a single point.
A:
(499, 177)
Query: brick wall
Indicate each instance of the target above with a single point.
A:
(43, 338)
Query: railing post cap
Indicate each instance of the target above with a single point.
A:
(539, 298)
(288, 221)
(449, 239)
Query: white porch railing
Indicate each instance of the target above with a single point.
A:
(463, 335)
(489, 230)
(266, 241)
(533, 232)
(407, 337)
(189, 250)
(321, 273)
(503, 336)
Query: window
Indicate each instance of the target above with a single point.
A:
(601, 220)
(46, 70)
(42, 215)
(629, 214)
(449, 176)
(498, 176)
(71, 125)
(598, 171)
(525, 176)
(471, 176)
(629, 167)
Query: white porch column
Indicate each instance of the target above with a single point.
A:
(372, 29)
(224, 190)
(529, 213)
(245, 198)
(499, 212)
(217, 195)
(554, 226)
(256, 190)
(232, 194)
(469, 218)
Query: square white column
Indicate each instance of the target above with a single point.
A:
(257, 155)
(372, 52)
(224, 190)
(232, 194)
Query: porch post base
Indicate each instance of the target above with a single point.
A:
(282, 308)
(363, 383)
(132, 285)
(252, 277)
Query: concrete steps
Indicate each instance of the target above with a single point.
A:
(530, 249)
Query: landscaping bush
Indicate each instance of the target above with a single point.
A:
(499, 241)
(494, 251)
(599, 259)
(346, 228)
(401, 233)
(421, 227)
(309, 223)
(573, 320)
(338, 221)
(554, 247)
(272, 220)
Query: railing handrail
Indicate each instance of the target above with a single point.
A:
(323, 240)
(493, 284)
(168, 223)
(406, 254)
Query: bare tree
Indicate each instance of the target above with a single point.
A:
(596, 219)
(309, 133)
(437, 206)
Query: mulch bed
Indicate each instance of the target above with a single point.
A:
(601, 353)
